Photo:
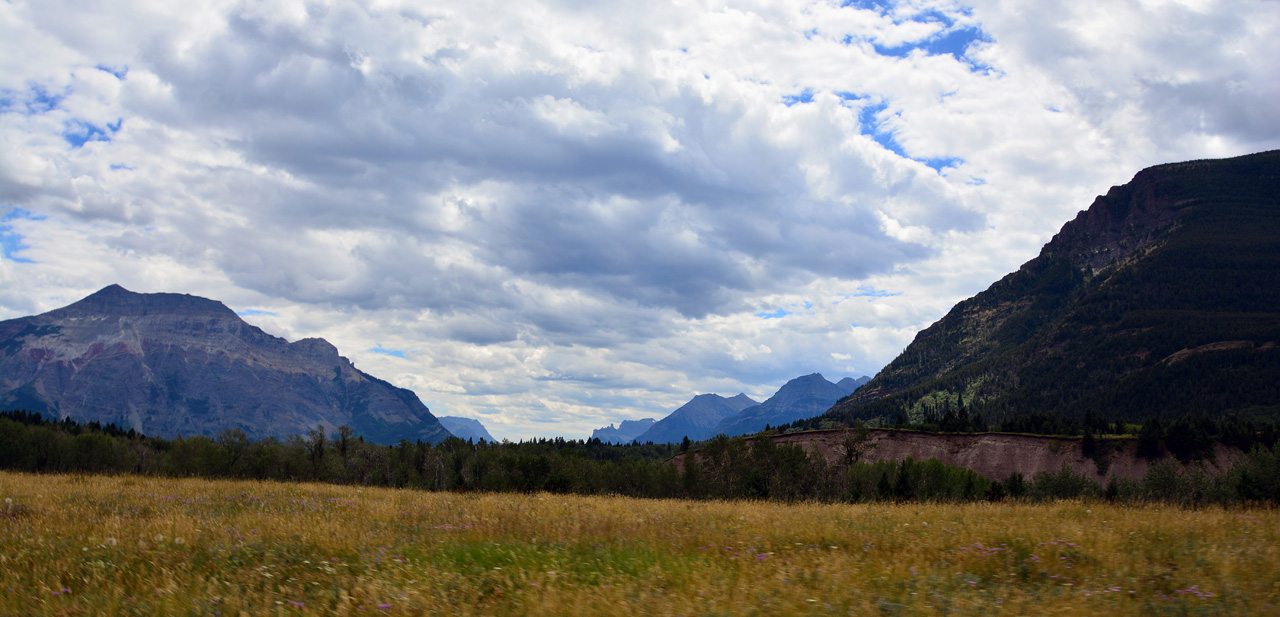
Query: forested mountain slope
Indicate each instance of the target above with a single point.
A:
(1161, 299)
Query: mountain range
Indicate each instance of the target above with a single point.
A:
(1160, 299)
(696, 419)
(708, 415)
(173, 364)
(800, 398)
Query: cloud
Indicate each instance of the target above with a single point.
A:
(576, 214)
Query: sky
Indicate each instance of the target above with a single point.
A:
(551, 216)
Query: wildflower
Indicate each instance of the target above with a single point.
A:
(179, 540)
(159, 538)
(384, 606)
(111, 541)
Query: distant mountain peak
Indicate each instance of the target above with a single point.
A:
(466, 428)
(802, 397)
(695, 419)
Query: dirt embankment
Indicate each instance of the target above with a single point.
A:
(994, 455)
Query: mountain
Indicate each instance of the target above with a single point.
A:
(169, 364)
(800, 398)
(465, 428)
(849, 384)
(1161, 299)
(696, 418)
(626, 432)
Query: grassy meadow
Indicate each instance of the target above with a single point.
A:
(107, 545)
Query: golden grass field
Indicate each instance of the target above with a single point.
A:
(84, 545)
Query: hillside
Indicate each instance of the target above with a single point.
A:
(169, 364)
(1161, 299)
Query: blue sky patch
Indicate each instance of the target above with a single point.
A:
(778, 314)
(869, 292)
(805, 96)
(942, 162)
(252, 312)
(870, 125)
(118, 71)
(10, 240)
(782, 312)
(397, 353)
(879, 6)
(78, 132)
(948, 42)
(36, 100)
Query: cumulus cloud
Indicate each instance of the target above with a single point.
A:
(552, 216)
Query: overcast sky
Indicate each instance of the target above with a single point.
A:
(552, 216)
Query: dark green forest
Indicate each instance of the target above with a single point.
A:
(722, 468)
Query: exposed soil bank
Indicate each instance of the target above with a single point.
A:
(994, 455)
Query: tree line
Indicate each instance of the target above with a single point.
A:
(721, 468)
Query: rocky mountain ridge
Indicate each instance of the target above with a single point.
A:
(169, 364)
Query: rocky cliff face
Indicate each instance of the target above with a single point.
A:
(169, 364)
(994, 455)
